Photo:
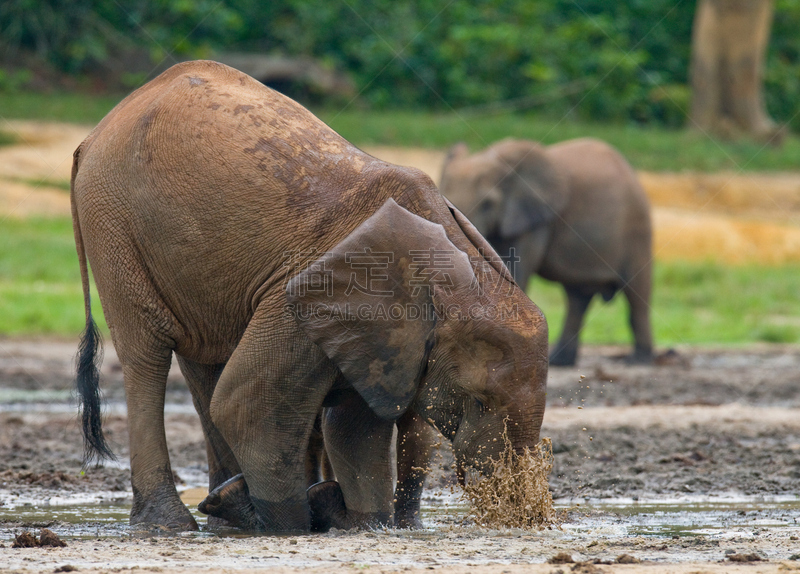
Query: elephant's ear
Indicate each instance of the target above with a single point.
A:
(368, 303)
(534, 192)
(457, 151)
(480, 243)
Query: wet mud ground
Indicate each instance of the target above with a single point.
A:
(690, 465)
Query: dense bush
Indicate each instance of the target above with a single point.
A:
(625, 60)
(782, 75)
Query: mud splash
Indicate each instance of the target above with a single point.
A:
(515, 494)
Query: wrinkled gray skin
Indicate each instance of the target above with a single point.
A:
(211, 209)
(573, 213)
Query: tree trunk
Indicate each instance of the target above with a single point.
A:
(729, 42)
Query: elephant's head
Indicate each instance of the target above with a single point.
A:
(424, 315)
(507, 189)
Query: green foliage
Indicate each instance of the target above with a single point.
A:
(75, 35)
(598, 59)
(782, 73)
(625, 60)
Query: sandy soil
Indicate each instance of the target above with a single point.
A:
(709, 425)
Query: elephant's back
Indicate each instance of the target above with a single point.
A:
(206, 178)
(235, 141)
(607, 218)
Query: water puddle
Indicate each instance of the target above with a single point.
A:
(718, 518)
(740, 517)
(58, 402)
(44, 396)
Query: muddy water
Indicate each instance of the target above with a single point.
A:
(697, 517)
(651, 531)
(609, 518)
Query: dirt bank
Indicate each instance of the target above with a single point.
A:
(714, 421)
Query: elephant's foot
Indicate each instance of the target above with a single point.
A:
(640, 357)
(328, 510)
(563, 357)
(230, 502)
(407, 509)
(326, 503)
(164, 511)
(407, 519)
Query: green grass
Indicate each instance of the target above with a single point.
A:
(693, 303)
(651, 148)
(59, 106)
(40, 286)
(7, 138)
(37, 182)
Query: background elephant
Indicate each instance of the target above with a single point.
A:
(226, 224)
(573, 212)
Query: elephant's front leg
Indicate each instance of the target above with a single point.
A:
(359, 444)
(566, 351)
(414, 446)
(222, 464)
(264, 405)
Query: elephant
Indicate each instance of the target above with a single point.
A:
(574, 213)
(290, 273)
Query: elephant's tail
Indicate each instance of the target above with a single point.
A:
(90, 352)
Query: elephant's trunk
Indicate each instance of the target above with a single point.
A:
(523, 425)
(484, 434)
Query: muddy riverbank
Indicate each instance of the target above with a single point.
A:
(689, 462)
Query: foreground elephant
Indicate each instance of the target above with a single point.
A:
(288, 271)
(573, 212)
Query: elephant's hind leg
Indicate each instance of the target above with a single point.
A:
(566, 351)
(637, 291)
(222, 464)
(155, 499)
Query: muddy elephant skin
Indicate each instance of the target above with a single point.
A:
(290, 273)
(573, 213)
